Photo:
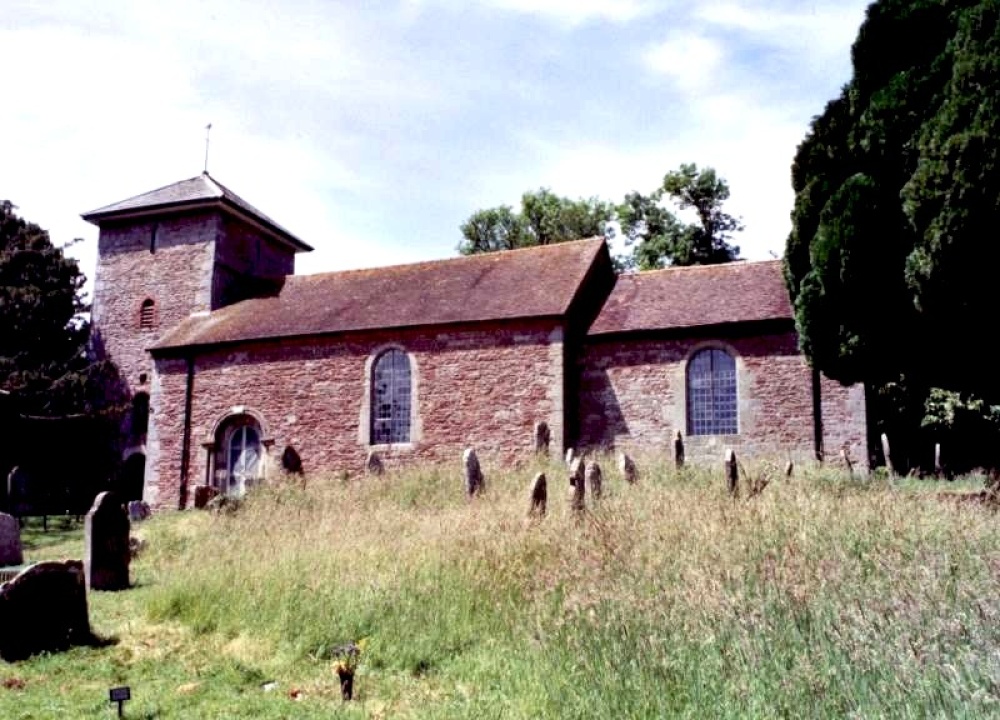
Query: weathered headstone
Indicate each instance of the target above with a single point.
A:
(577, 470)
(938, 467)
(627, 468)
(106, 550)
(138, 510)
(679, 450)
(373, 464)
(10, 541)
(203, 495)
(845, 455)
(291, 461)
(594, 479)
(44, 609)
(539, 495)
(473, 473)
(888, 455)
(18, 492)
(732, 473)
(543, 436)
(789, 469)
(570, 456)
(577, 494)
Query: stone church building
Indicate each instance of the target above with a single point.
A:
(237, 366)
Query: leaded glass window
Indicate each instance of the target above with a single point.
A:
(711, 393)
(239, 455)
(390, 398)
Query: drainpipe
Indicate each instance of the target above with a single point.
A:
(817, 401)
(186, 442)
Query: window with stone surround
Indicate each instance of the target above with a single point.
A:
(391, 394)
(147, 314)
(712, 407)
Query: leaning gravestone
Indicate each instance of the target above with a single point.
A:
(576, 471)
(373, 464)
(577, 494)
(106, 550)
(539, 495)
(10, 541)
(473, 473)
(44, 609)
(627, 468)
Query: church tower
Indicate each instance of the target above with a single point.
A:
(190, 247)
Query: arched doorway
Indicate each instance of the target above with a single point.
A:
(239, 459)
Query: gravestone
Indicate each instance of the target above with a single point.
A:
(577, 471)
(570, 456)
(577, 494)
(594, 479)
(732, 473)
(106, 550)
(44, 609)
(373, 464)
(543, 436)
(539, 495)
(627, 468)
(18, 492)
(10, 541)
(138, 510)
(203, 495)
(473, 473)
(679, 450)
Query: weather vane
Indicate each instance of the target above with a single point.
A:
(208, 132)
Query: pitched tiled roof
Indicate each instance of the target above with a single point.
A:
(193, 192)
(533, 282)
(695, 296)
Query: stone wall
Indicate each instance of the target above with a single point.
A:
(633, 394)
(168, 261)
(484, 385)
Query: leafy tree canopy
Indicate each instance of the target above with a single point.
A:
(658, 237)
(43, 360)
(545, 218)
(891, 257)
(661, 239)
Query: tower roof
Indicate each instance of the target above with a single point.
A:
(198, 192)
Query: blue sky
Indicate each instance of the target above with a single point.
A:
(372, 130)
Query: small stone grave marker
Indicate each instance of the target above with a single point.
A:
(10, 541)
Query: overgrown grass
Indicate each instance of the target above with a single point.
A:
(823, 597)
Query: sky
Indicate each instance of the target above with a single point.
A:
(372, 130)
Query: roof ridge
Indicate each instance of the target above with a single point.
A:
(708, 266)
(139, 195)
(457, 259)
(219, 188)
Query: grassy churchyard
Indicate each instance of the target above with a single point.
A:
(822, 597)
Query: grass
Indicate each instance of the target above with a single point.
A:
(823, 597)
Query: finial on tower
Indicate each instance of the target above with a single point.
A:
(208, 130)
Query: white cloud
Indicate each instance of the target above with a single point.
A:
(576, 11)
(690, 60)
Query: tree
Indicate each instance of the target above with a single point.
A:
(661, 239)
(43, 337)
(890, 261)
(545, 218)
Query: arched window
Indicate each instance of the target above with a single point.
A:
(711, 393)
(390, 399)
(238, 460)
(147, 314)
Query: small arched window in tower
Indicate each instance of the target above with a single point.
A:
(147, 314)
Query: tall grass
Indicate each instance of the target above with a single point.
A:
(822, 597)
